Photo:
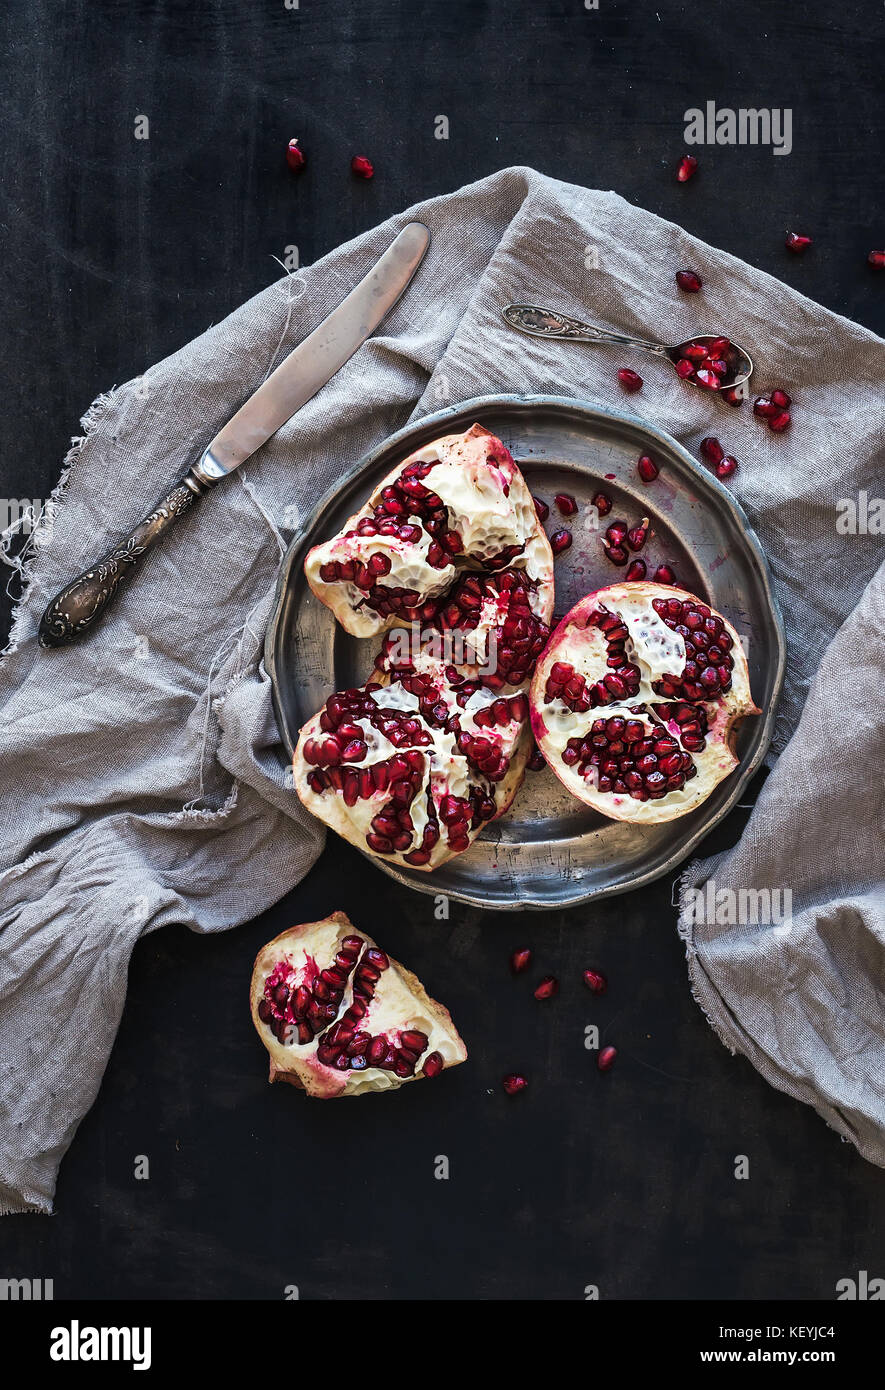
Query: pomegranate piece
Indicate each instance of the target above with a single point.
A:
(636, 570)
(565, 503)
(726, 466)
(712, 450)
(689, 280)
(685, 370)
(547, 987)
(637, 535)
(688, 165)
(560, 541)
(764, 407)
(362, 167)
(603, 503)
(317, 991)
(295, 156)
(630, 380)
(876, 259)
(797, 243)
(606, 1058)
(664, 575)
(514, 1084)
(780, 422)
(520, 960)
(781, 399)
(647, 469)
(707, 379)
(542, 511)
(595, 981)
(637, 698)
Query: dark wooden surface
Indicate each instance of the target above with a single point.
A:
(117, 251)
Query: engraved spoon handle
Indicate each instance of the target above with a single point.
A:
(547, 323)
(82, 603)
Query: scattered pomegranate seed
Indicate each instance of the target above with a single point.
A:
(684, 369)
(689, 281)
(630, 380)
(797, 243)
(606, 1058)
(647, 468)
(541, 508)
(520, 960)
(664, 575)
(687, 168)
(537, 762)
(638, 535)
(547, 987)
(616, 553)
(764, 407)
(781, 399)
(780, 422)
(295, 156)
(877, 260)
(712, 450)
(362, 167)
(603, 503)
(733, 395)
(636, 570)
(566, 503)
(725, 467)
(514, 1084)
(595, 981)
(560, 541)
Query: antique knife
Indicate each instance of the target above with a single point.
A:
(309, 366)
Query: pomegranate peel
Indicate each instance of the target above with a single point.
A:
(632, 715)
(367, 1023)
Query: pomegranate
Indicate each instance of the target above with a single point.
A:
(520, 960)
(595, 981)
(459, 503)
(560, 540)
(295, 157)
(636, 699)
(546, 988)
(876, 259)
(363, 168)
(339, 1017)
(712, 450)
(664, 575)
(606, 1058)
(565, 503)
(726, 466)
(689, 280)
(797, 243)
(635, 570)
(514, 1084)
(687, 168)
(647, 469)
(603, 503)
(630, 380)
(541, 508)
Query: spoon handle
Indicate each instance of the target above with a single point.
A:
(547, 323)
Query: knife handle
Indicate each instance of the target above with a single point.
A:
(82, 603)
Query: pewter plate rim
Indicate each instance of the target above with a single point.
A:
(441, 422)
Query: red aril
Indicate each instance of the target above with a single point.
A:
(687, 168)
(781, 399)
(295, 157)
(547, 987)
(635, 571)
(797, 243)
(726, 466)
(565, 503)
(595, 981)
(684, 369)
(603, 503)
(630, 380)
(560, 540)
(733, 395)
(542, 511)
(647, 469)
(876, 259)
(664, 575)
(780, 422)
(362, 167)
(514, 1084)
(606, 1058)
(712, 450)
(764, 407)
(689, 280)
(520, 960)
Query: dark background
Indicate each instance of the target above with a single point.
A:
(117, 251)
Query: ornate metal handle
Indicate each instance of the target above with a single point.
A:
(82, 603)
(547, 323)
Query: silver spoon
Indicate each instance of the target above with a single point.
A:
(547, 323)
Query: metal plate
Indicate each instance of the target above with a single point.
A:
(550, 850)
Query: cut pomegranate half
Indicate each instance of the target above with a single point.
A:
(636, 700)
(459, 503)
(339, 1017)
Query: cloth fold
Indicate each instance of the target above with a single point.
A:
(141, 781)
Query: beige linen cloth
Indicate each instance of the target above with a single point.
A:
(139, 771)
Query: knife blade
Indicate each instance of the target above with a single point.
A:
(307, 368)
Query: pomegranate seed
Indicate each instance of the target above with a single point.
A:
(631, 381)
(294, 156)
(688, 165)
(733, 395)
(606, 1058)
(664, 575)
(514, 1084)
(636, 570)
(684, 369)
(595, 981)
(764, 407)
(709, 380)
(616, 553)
(362, 167)
(520, 960)
(566, 503)
(725, 467)
(537, 762)
(433, 1064)
(797, 243)
(637, 535)
(560, 541)
(877, 260)
(547, 987)
(780, 422)
(603, 503)
(541, 508)
(647, 468)
(712, 450)
(781, 399)
(689, 281)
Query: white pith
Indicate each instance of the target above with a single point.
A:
(400, 1002)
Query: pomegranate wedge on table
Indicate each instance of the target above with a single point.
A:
(636, 701)
(411, 766)
(339, 1017)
